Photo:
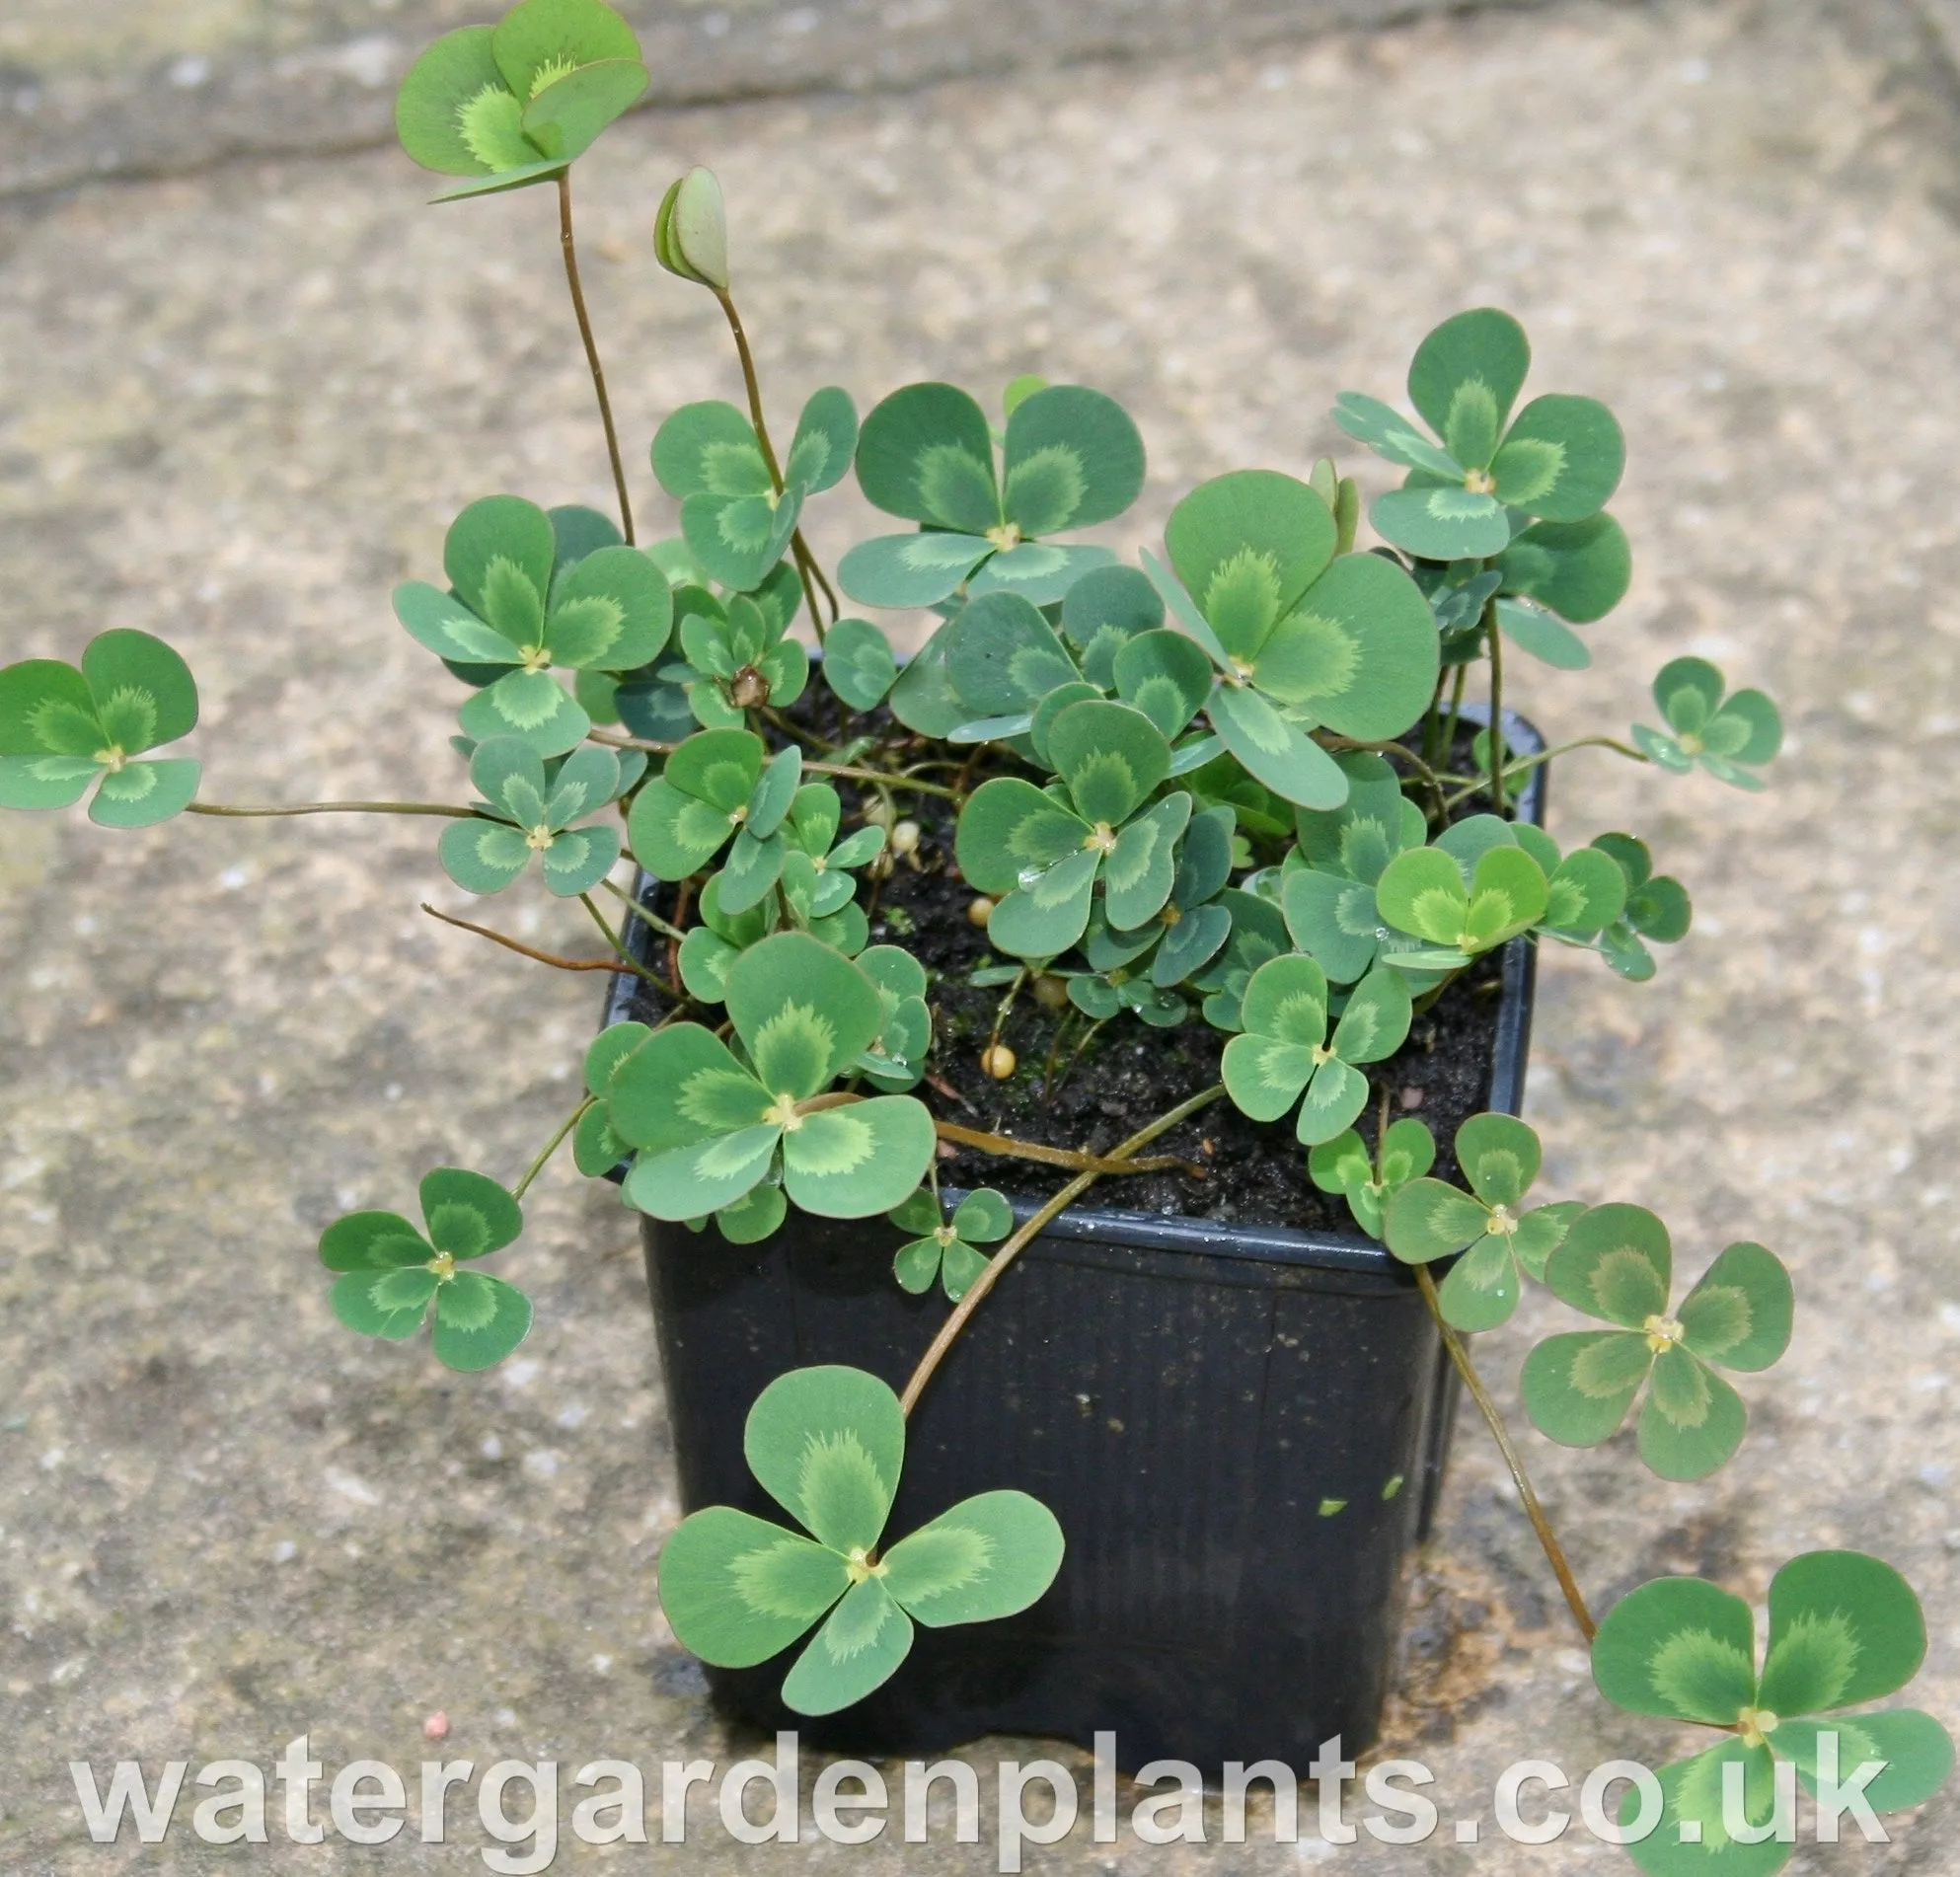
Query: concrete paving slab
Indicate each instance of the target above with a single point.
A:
(236, 408)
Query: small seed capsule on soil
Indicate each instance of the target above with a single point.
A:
(979, 909)
(1051, 993)
(905, 838)
(998, 1060)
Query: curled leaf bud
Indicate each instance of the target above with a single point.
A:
(691, 231)
(998, 1060)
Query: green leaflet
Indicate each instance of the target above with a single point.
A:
(850, 1163)
(926, 453)
(1464, 378)
(858, 663)
(684, 816)
(1844, 1628)
(1343, 1166)
(948, 1250)
(828, 1444)
(1103, 611)
(691, 230)
(1578, 570)
(515, 104)
(525, 816)
(1730, 735)
(62, 728)
(393, 1277)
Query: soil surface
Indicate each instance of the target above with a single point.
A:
(1089, 1088)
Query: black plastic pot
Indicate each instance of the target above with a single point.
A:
(1242, 1431)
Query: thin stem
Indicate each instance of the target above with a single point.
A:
(1424, 773)
(611, 937)
(1525, 763)
(1457, 690)
(800, 553)
(1008, 1148)
(551, 1146)
(570, 249)
(337, 808)
(877, 777)
(1554, 1552)
(1012, 1249)
(543, 957)
(641, 912)
(1495, 732)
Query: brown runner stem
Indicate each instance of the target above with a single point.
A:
(1008, 1147)
(1554, 1552)
(1012, 1248)
(570, 249)
(335, 809)
(543, 957)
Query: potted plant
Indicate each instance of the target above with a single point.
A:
(1212, 882)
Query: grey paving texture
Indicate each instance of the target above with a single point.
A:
(116, 88)
(236, 406)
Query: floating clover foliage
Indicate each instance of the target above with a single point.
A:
(1560, 460)
(395, 1277)
(1300, 637)
(1845, 1629)
(61, 729)
(1657, 910)
(1046, 850)
(1731, 735)
(732, 516)
(709, 1126)
(946, 1247)
(1284, 1050)
(1429, 1220)
(515, 104)
(526, 594)
(528, 815)
(1072, 458)
(1617, 1265)
(828, 1444)
(1370, 1181)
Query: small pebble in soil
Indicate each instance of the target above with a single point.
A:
(998, 1060)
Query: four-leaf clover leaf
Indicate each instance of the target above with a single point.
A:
(716, 788)
(526, 816)
(524, 598)
(1045, 850)
(1072, 458)
(1370, 1181)
(1731, 735)
(1617, 1264)
(396, 1277)
(732, 516)
(1300, 636)
(1429, 1220)
(710, 1126)
(1559, 460)
(828, 1444)
(1657, 910)
(945, 1248)
(1284, 1049)
(1330, 896)
(515, 104)
(61, 728)
(1845, 1629)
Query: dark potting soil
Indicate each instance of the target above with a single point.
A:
(1127, 1073)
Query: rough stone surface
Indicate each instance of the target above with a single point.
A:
(110, 88)
(236, 408)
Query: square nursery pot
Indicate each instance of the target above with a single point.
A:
(1242, 1430)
